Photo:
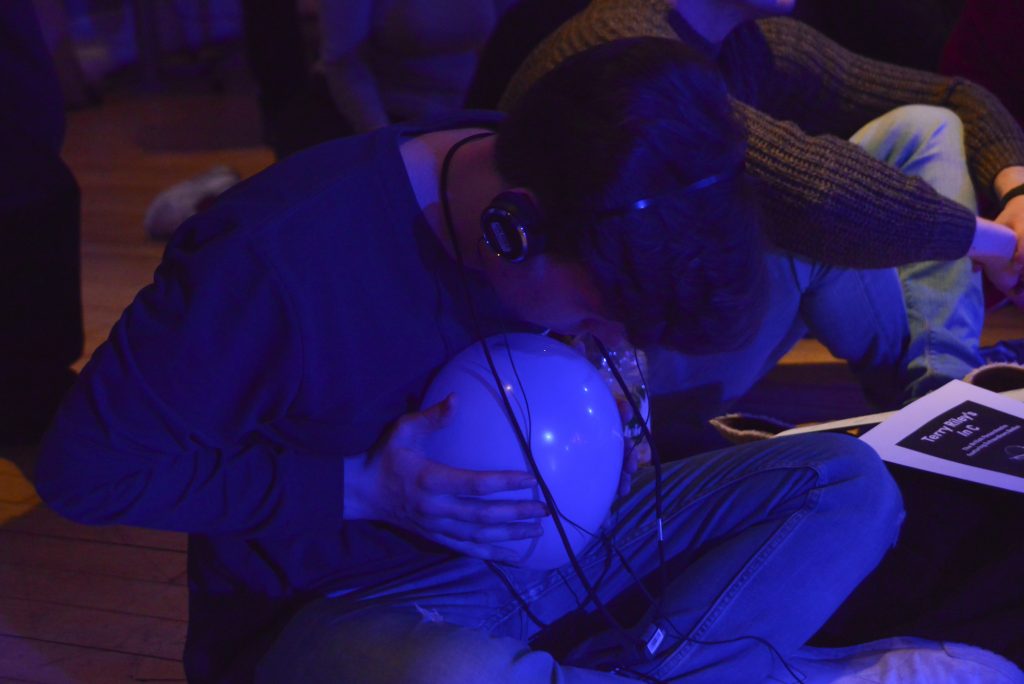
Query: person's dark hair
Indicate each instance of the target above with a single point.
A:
(636, 119)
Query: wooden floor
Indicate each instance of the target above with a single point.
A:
(80, 604)
(84, 604)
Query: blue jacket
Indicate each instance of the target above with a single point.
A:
(285, 329)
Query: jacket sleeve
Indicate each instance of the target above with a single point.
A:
(171, 423)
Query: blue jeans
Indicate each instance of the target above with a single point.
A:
(904, 332)
(762, 543)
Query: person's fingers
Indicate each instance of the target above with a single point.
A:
(483, 511)
(1013, 218)
(413, 426)
(1003, 275)
(438, 415)
(439, 478)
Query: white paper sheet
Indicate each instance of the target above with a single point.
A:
(961, 431)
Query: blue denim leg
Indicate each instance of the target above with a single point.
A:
(944, 300)
(763, 542)
(858, 314)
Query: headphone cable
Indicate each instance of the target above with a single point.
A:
(523, 443)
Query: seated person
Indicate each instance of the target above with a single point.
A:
(257, 395)
(388, 61)
(830, 207)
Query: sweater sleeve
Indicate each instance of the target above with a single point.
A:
(171, 423)
(827, 199)
(824, 87)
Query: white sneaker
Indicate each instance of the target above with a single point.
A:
(170, 208)
(904, 660)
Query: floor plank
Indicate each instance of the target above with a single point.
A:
(56, 587)
(108, 630)
(109, 604)
(44, 522)
(28, 551)
(51, 662)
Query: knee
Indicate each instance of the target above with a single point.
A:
(928, 125)
(860, 485)
(397, 646)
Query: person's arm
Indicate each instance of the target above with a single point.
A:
(824, 87)
(345, 28)
(396, 483)
(167, 426)
(172, 424)
(828, 200)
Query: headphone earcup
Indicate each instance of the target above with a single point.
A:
(511, 226)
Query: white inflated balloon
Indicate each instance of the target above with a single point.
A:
(568, 415)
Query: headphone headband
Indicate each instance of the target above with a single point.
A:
(693, 187)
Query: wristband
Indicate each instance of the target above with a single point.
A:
(1013, 192)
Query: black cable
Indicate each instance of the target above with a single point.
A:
(523, 443)
(522, 389)
(519, 599)
(656, 462)
(678, 633)
(655, 459)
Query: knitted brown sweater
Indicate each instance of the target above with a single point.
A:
(800, 95)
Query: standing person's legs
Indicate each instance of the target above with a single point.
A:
(295, 106)
(944, 300)
(762, 543)
(40, 293)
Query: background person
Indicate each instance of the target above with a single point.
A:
(800, 96)
(902, 199)
(40, 290)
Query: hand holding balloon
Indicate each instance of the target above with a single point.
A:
(398, 484)
(564, 413)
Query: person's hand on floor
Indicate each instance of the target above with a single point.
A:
(398, 484)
